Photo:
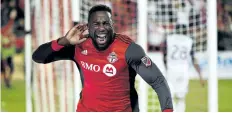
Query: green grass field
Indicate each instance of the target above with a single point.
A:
(13, 99)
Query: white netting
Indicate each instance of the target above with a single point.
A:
(164, 15)
(53, 83)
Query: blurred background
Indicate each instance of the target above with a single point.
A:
(54, 86)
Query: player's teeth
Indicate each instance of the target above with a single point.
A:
(102, 35)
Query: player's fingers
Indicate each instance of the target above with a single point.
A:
(86, 36)
(83, 29)
(81, 40)
(86, 32)
(82, 24)
(78, 26)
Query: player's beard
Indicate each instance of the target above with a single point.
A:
(102, 41)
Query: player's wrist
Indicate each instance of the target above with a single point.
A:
(56, 46)
(63, 41)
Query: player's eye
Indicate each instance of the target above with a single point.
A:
(95, 24)
(106, 23)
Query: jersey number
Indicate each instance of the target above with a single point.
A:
(179, 53)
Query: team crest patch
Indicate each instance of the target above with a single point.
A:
(146, 61)
(112, 58)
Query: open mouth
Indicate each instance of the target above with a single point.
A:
(101, 38)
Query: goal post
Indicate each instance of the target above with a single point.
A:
(76, 73)
(28, 62)
(212, 56)
(142, 41)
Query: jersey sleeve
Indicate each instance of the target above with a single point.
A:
(142, 64)
(52, 51)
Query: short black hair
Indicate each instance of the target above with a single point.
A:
(99, 7)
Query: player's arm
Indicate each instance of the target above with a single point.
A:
(197, 67)
(164, 50)
(62, 48)
(53, 51)
(137, 59)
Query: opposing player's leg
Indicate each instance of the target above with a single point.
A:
(181, 95)
(3, 72)
(170, 77)
(180, 103)
(178, 83)
(173, 93)
(10, 64)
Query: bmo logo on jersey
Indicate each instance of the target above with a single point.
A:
(91, 67)
(109, 70)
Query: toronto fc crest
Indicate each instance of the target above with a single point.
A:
(146, 61)
(112, 57)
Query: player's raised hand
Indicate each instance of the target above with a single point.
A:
(202, 82)
(74, 35)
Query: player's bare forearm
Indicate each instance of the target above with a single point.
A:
(53, 51)
(197, 67)
(151, 74)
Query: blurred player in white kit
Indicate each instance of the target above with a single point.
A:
(177, 56)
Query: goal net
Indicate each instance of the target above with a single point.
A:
(53, 83)
(163, 17)
(56, 86)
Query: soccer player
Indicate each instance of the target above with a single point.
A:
(108, 63)
(7, 53)
(8, 49)
(178, 53)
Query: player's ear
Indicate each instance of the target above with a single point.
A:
(111, 21)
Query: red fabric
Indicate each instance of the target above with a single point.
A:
(106, 85)
(168, 110)
(5, 30)
(20, 43)
(56, 46)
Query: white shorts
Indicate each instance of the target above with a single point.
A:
(178, 83)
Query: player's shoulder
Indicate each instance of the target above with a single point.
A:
(124, 39)
(135, 51)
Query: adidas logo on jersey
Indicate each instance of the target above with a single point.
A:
(84, 52)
